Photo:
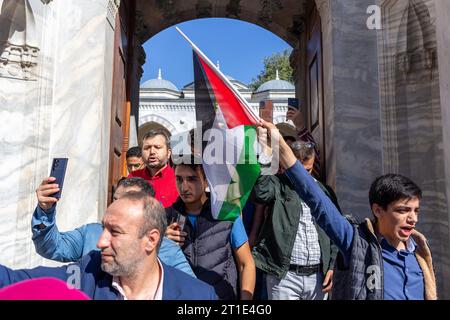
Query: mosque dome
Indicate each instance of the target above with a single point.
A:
(276, 84)
(159, 83)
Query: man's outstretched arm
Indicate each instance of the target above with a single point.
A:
(323, 210)
(48, 241)
(52, 244)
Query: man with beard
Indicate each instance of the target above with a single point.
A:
(156, 153)
(127, 266)
(70, 246)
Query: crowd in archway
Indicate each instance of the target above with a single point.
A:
(159, 241)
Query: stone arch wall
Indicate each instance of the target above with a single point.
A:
(154, 122)
(411, 116)
(158, 119)
(282, 17)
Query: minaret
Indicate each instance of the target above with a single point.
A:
(159, 74)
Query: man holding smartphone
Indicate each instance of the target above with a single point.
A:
(128, 267)
(296, 116)
(72, 245)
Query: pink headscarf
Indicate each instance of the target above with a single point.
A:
(41, 289)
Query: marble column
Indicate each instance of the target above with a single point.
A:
(387, 108)
(63, 112)
(351, 102)
(442, 9)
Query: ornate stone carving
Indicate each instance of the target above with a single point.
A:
(18, 45)
(168, 9)
(324, 8)
(141, 29)
(113, 7)
(268, 7)
(233, 9)
(203, 9)
(141, 56)
(298, 26)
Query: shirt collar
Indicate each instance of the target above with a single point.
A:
(410, 244)
(159, 173)
(158, 294)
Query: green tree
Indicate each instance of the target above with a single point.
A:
(277, 61)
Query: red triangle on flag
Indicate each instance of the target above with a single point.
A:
(233, 110)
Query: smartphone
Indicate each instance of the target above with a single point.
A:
(181, 221)
(58, 171)
(293, 103)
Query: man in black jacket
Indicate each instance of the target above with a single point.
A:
(218, 251)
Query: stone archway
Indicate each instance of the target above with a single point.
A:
(354, 126)
(284, 18)
(152, 125)
(69, 107)
(289, 20)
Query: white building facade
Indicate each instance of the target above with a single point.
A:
(163, 105)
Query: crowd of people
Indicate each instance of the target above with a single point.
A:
(159, 241)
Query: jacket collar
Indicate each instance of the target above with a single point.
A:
(181, 208)
(171, 289)
(423, 255)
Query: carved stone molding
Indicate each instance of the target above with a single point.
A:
(168, 107)
(203, 9)
(268, 7)
(113, 7)
(18, 45)
(140, 57)
(158, 119)
(233, 9)
(141, 29)
(324, 8)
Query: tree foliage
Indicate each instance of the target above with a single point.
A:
(276, 61)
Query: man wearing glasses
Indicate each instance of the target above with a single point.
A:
(297, 256)
(304, 135)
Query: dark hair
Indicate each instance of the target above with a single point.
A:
(286, 138)
(142, 184)
(303, 150)
(154, 215)
(134, 152)
(392, 187)
(190, 160)
(157, 132)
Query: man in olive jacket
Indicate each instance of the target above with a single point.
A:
(296, 254)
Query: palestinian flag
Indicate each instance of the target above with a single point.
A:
(229, 134)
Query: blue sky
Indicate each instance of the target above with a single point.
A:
(239, 46)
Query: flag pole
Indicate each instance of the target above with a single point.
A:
(222, 76)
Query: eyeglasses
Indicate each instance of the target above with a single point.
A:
(297, 145)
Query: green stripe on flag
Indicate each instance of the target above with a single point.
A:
(241, 185)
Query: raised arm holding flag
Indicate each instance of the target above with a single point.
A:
(209, 228)
(228, 126)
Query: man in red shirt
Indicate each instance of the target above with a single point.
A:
(156, 153)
